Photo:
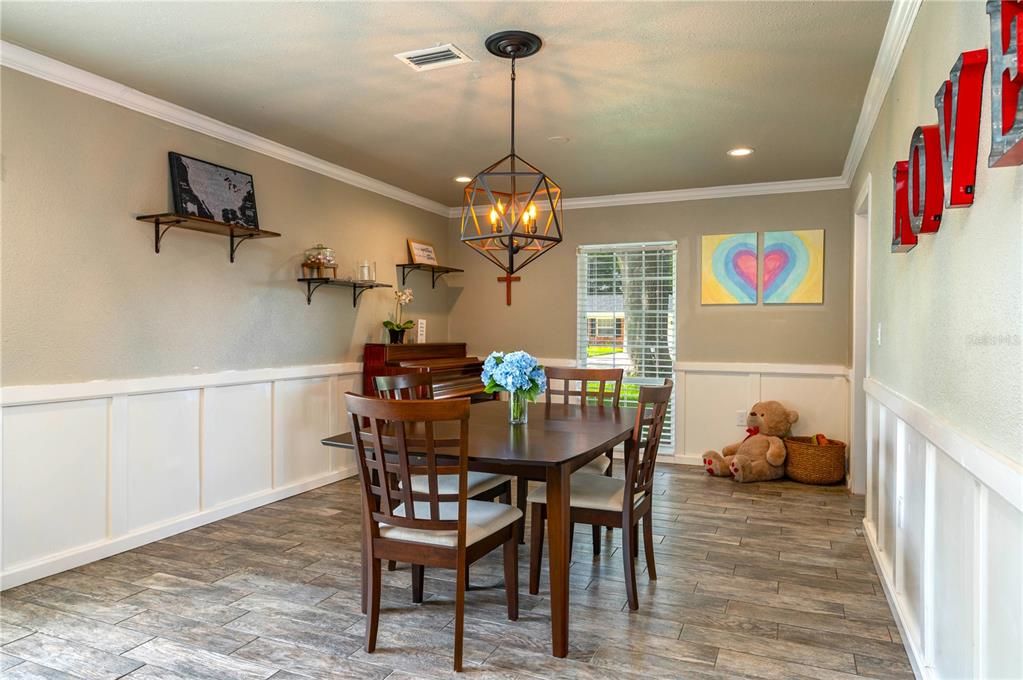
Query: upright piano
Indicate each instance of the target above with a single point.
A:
(454, 373)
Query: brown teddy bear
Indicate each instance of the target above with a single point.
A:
(761, 455)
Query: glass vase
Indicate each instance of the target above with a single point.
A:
(518, 408)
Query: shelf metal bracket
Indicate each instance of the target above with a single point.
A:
(310, 288)
(158, 235)
(237, 241)
(357, 292)
(435, 274)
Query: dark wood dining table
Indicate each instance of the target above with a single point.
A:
(558, 439)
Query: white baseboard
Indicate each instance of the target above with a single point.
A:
(53, 564)
(685, 459)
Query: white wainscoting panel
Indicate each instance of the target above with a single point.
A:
(954, 623)
(1002, 609)
(301, 419)
(236, 451)
(163, 464)
(944, 524)
(54, 478)
(911, 545)
(712, 393)
(710, 404)
(342, 459)
(822, 402)
(93, 469)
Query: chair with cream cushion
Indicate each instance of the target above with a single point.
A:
(587, 387)
(483, 486)
(395, 441)
(606, 501)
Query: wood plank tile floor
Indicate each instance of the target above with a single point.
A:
(759, 581)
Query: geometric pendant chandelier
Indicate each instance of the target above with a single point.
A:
(511, 210)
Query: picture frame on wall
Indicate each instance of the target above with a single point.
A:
(421, 252)
(212, 192)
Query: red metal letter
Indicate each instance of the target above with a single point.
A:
(958, 104)
(903, 238)
(926, 190)
(1006, 83)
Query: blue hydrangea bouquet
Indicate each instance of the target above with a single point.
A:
(520, 375)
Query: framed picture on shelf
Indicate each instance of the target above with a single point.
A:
(212, 192)
(421, 252)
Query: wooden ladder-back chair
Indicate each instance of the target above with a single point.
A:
(412, 385)
(483, 486)
(403, 439)
(618, 503)
(608, 382)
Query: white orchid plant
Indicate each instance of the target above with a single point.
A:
(401, 298)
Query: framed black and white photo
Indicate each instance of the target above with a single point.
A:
(212, 192)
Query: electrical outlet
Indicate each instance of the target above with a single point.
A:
(740, 419)
(878, 333)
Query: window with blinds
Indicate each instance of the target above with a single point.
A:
(626, 315)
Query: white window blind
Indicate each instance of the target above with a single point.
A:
(626, 315)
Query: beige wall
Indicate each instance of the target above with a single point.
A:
(85, 297)
(951, 309)
(542, 317)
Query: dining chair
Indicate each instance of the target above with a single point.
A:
(618, 503)
(483, 486)
(608, 382)
(399, 440)
(411, 385)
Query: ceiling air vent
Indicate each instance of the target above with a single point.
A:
(441, 56)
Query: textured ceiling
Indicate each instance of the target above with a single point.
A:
(650, 95)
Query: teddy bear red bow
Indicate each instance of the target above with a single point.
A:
(761, 455)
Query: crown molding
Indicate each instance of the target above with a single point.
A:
(896, 34)
(698, 194)
(45, 68)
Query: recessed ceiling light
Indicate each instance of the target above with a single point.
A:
(740, 151)
(559, 139)
(462, 179)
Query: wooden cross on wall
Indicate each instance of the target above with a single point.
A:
(508, 280)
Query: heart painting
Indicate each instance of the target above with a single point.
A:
(729, 271)
(794, 267)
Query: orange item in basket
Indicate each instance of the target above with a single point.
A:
(821, 440)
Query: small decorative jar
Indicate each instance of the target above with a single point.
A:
(320, 262)
(367, 271)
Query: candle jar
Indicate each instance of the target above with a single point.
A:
(367, 271)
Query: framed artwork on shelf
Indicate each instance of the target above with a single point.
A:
(421, 252)
(728, 269)
(212, 192)
(794, 267)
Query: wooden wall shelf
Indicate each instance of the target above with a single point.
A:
(358, 288)
(162, 222)
(436, 271)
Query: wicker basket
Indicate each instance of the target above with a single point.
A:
(809, 463)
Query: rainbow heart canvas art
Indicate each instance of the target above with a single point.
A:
(794, 267)
(728, 275)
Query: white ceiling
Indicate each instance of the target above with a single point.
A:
(651, 95)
